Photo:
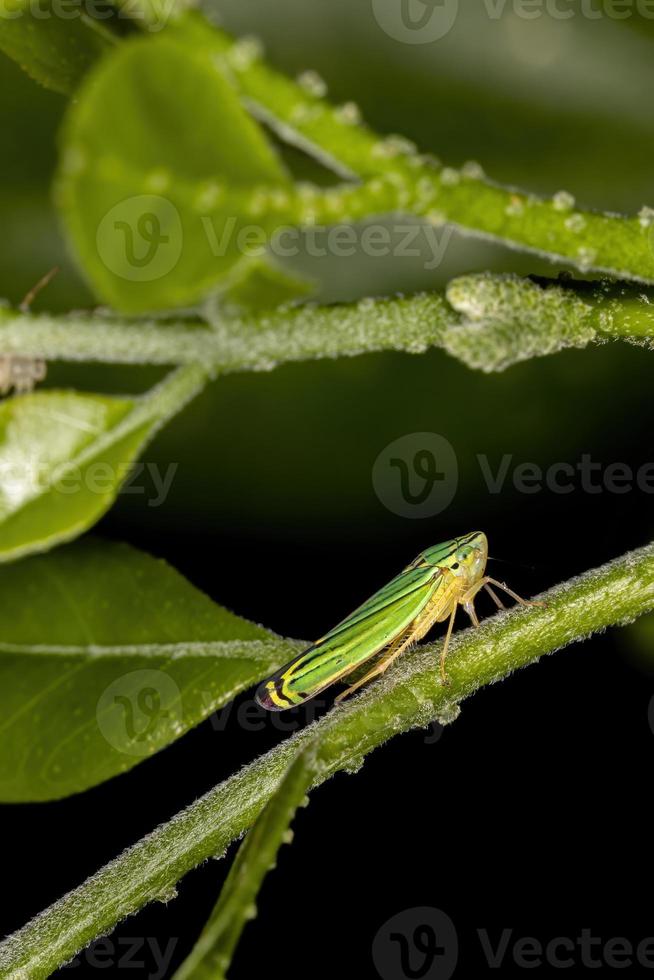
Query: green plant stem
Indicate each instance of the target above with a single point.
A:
(506, 319)
(553, 228)
(260, 343)
(165, 400)
(609, 309)
(409, 695)
(212, 954)
(489, 323)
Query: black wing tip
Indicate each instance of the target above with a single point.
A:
(264, 699)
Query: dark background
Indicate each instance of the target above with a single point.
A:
(532, 812)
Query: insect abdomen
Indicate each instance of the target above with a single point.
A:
(272, 695)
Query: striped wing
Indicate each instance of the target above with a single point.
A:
(365, 632)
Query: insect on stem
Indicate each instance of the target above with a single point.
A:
(428, 591)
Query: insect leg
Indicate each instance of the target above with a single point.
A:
(399, 646)
(471, 611)
(446, 644)
(485, 583)
(467, 600)
(514, 595)
(494, 596)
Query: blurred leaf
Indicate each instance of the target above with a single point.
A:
(30, 116)
(54, 50)
(107, 655)
(212, 955)
(64, 456)
(146, 162)
(257, 285)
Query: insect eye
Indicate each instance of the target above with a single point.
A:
(455, 566)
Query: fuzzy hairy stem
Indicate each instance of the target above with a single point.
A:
(258, 343)
(487, 321)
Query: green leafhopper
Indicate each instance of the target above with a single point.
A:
(428, 591)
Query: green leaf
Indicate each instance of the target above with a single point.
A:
(213, 952)
(156, 179)
(106, 656)
(64, 456)
(54, 50)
